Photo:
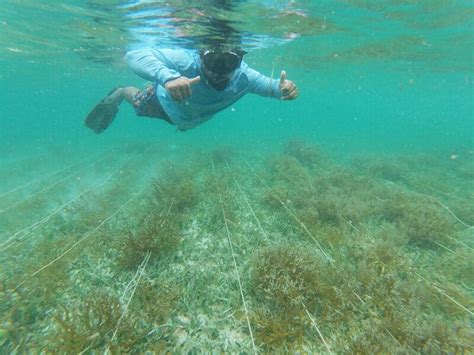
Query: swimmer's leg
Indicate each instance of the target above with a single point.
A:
(103, 114)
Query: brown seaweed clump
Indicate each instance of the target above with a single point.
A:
(285, 280)
(96, 325)
(222, 155)
(307, 154)
(426, 224)
(177, 190)
(284, 276)
(423, 221)
(158, 236)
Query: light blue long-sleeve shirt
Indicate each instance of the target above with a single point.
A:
(160, 66)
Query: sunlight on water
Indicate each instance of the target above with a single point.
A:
(430, 31)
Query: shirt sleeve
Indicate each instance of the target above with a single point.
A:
(152, 65)
(262, 85)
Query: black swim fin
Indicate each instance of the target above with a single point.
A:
(102, 115)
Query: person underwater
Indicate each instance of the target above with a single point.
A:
(188, 87)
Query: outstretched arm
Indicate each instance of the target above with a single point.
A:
(264, 86)
(163, 67)
(152, 65)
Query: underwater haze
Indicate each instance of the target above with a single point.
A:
(339, 222)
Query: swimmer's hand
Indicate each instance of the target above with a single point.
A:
(287, 88)
(180, 88)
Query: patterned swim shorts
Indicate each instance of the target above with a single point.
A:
(147, 104)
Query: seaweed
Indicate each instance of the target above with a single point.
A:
(329, 209)
(388, 168)
(275, 331)
(307, 154)
(178, 190)
(423, 221)
(398, 279)
(91, 327)
(426, 224)
(285, 275)
(287, 169)
(222, 155)
(155, 301)
(19, 316)
(286, 281)
(159, 236)
(272, 196)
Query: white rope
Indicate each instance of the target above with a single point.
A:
(137, 277)
(265, 235)
(302, 225)
(44, 177)
(313, 321)
(45, 219)
(237, 271)
(238, 277)
(432, 199)
(446, 295)
(73, 246)
(248, 205)
(53, 184)
(460, 243)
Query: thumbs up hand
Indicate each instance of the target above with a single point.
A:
(287, 88)
(180, 88)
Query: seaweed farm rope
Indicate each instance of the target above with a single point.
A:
(45, 219)
(50, 174)
(429, 283)
(135, 281)
(446, 295)
(73, 246)
(304, 228)
(53, 184)
(460, 243)
(439, 290)
(432, 199)
(248, 205)
(244, 302)
(313, 322)
(302, 225)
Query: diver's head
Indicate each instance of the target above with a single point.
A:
(218, 65)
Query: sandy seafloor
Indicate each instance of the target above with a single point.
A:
(188, 249)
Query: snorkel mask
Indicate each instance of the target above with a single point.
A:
(218, 65)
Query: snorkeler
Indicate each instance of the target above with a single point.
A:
(188, 87)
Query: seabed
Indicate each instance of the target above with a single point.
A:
(225, 251)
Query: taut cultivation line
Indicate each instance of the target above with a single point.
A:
(439, 290)
(48, 175)
(244, 302)
(74, 245)
(45, 219)
(53, 184)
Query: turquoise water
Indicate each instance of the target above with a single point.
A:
(372, 165)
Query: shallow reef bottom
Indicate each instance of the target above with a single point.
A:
(223, 251)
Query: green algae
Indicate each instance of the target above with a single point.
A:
(395, 277)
